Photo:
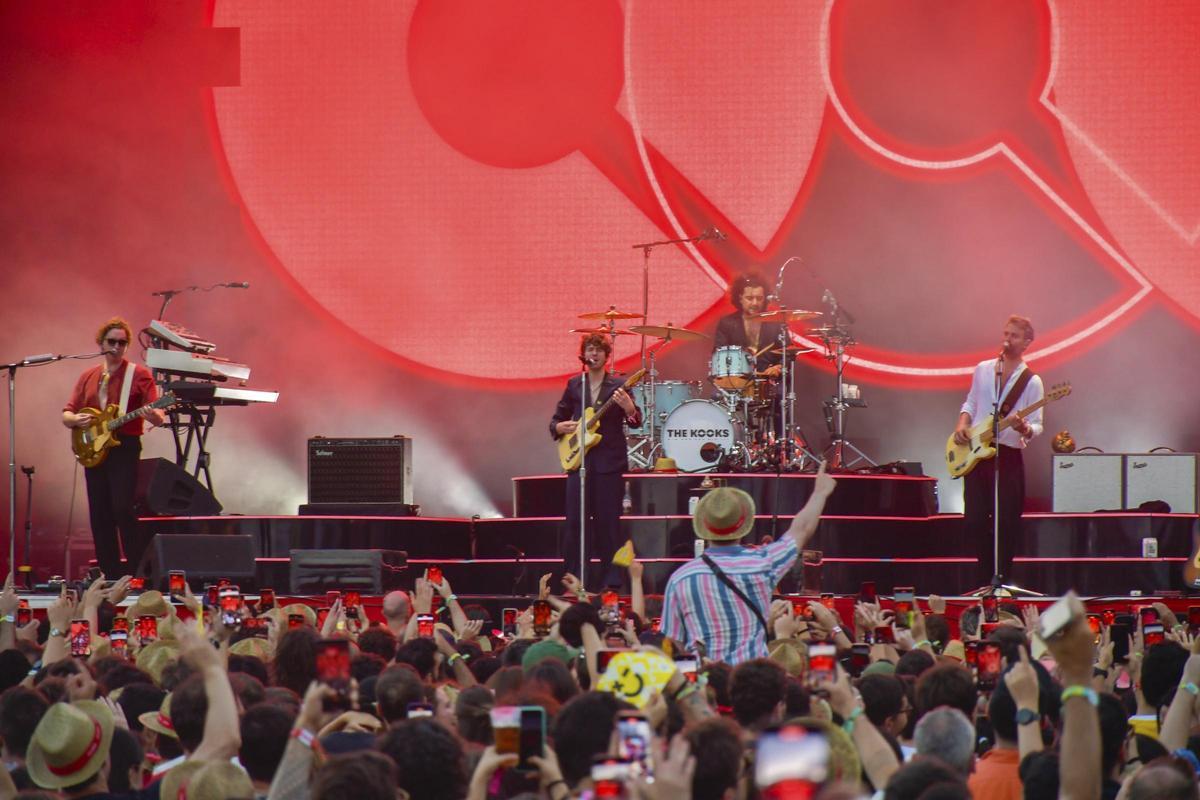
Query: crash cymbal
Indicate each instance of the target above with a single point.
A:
(612, 313)
(669, 331)
(604, 331)
(787, 315)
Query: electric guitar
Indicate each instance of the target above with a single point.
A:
(569, 454)
(1191, 570)
(962, 458)
(92, 442)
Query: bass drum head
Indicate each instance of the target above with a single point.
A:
(668, 395)
(698, 434)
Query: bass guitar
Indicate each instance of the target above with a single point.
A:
(962, 458)
(569, 454)
(91, 443)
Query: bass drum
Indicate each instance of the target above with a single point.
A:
(698, 434)
(668, 395)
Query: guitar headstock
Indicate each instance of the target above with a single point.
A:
(1058, 391)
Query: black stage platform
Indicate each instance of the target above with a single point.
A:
(1097, 554)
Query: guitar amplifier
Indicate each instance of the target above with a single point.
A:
(1170, 477)
(1085, 482)
(365, 470)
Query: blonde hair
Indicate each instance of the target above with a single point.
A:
(1024, 324)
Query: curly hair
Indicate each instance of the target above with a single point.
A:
(295, 664)
(749, 280)
(582, 730)
(757, 689)
(115, 322)
(365, 775)
(429, 759)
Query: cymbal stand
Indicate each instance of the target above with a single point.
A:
(837, 339)
(649, 441)
(646, 248)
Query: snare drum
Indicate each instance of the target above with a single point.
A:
(668, 395)
(698, 433)
(730, 368)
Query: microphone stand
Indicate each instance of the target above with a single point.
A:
(168, 294)
(28, 361)
(584, 396)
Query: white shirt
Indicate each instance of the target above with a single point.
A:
(982, 398)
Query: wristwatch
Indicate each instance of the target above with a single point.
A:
(1027, 715)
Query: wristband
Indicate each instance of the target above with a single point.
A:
(306, 738)
(9, 618)
(923, 643)
(848, 725)
(1086, 692)
(451, 597)
(836, 629)
(454, 657)
(1098, 672)
(1190, 687)
(687, 690)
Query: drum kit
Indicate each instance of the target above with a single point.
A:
(746, 422)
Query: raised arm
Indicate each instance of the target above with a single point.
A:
(804, 525)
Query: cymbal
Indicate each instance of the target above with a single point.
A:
(669, 332)
(604, 331)
(612, 313)
(796, 351)
(787, 315)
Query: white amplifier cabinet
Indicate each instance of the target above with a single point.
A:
(1161, 476)
(1085, 482)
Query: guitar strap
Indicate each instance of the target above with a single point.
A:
(126, 386)
(1014, 393)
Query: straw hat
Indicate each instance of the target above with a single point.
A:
(791, 654)
(664, 464)
(206, 780)
(310, 616)
(252, 646)
(724, 514)
(160, 721)
(154, 658)
(149, 604)
(70, 744)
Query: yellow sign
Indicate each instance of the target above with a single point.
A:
(634, 675)
(624, 556)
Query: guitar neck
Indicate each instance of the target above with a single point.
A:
(132, 415)
(612, 400)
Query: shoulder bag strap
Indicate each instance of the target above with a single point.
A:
(725, 579)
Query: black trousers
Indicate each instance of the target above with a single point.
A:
(605, 491)
(978, 507)
(110, 488)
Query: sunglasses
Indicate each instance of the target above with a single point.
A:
(116, 342)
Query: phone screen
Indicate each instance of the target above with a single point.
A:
(295, 621)
(1119, 633)
(634, 740)
(885, 635)
(434, 575)
(425, 626)
(821, 661)
(176, 582)
(120, 624)
(860, 659)
(333, 669)
(231, 606)
(541, 616)
(257, 626)
(119, 642)
(266, 599)
(793, 759)
(971, 652)
(989, 665)
(991, 611)
(866, 592)
(827, 599)
(904, 599)
(24, 616)
(1152, 634)
(533, 734)
(147, 628)
(688, 666)
(81, 637)
(1148, 615)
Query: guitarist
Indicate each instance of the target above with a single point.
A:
(1020, 388)
(111, 483)
(606, 462)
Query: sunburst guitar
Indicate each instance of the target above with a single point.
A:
(92, 443)
(568, 446)
(962, 458)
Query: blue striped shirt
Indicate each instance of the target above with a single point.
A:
(697, 605)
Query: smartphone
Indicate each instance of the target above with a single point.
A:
(634, 740)
(1119, 633)
(352, 601)
(1109, 616)
(322, 613)
(860, 659)
(425, 626)
(231, 606)
(904, 598)
(800, 609)
(986, 628)
(93, 574)
(137, 584)
(541, 617)
(81, 638)
(266, 599)
(1056, 619)
(295, 621)
(211, 591)
(533, 735)
(609, 777)
(1152, 634)
(791, 761)
(885, 635)
(971, 652)
(866, 593)
(119, 642)
(120, 624)
(434, 575)
(827, 599)
(688, 666)
(333, 670)
(991, 608)
(24, 616)
(822, 663)
(988, 663)
(419, 710)
(147, 628)
(508, 621)
(605, 655)
(176, 582)
(1147, 615)
(656, 624)
(1094, 623)
(256, 626)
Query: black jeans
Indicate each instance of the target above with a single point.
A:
(110, 488)
(605, 491)
(978, 507)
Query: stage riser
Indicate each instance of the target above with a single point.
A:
(1099, 578)
(1051, 536)
(654, 495)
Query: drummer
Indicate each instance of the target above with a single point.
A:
(748, 294)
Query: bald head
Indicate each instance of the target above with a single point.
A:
(396, 608)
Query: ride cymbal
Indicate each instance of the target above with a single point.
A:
(612, 313)
(787, 315)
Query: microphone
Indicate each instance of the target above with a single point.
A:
(718, 235)
(237, 285)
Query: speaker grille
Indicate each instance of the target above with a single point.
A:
(370, 470)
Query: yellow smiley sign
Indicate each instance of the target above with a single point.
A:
(635, 675)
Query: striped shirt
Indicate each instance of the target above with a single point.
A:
(697, 605)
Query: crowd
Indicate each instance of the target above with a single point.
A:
(715, 691)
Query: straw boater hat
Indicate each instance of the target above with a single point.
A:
(160, 721)
(70, 744)
(310, 616)
(724, 514)
(148, 604)
(206, 780)
(156, 656)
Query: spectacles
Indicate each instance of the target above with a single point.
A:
(116, 342)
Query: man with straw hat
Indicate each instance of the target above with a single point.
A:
(722, 597)
(69, 748)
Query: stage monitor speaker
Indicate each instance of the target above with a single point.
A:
(366, 470)
(205, 557)
(368, 571)
(1086, 482)
(164, 489)
(1170, 477)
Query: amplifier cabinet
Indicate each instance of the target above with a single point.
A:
(362, 470)
(1085, 482)
(1161, 476)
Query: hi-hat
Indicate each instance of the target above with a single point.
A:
(787, 315)
(604, 331)
(669, 332)
(612, 313)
